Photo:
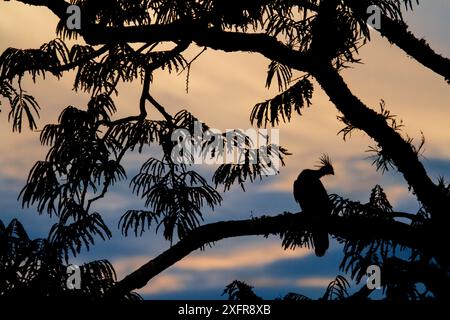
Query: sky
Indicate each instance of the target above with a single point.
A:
(223, 88)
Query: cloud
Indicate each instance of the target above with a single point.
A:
(269, 282)
(255, 255)
(397, 193)
(214, 269)
(126, 265)
(165, 283)
(116, 202)
(38, 21)
(351, 173)
(306, 282)
(314, 282)
(246, 256)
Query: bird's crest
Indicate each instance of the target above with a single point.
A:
(325, 165)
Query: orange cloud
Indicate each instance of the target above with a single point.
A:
(309, 282)
(247, 256)
(244, 257)
(165, 283)
(181, 275)
(397, 193)
(314, 282)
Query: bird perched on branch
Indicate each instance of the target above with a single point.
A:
(310, 193)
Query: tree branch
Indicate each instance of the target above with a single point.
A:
(195, 31)
(410, 216)
(361, 295)
(58, 7)
(397, 32)
(375, 125)
(74, 64)
(160, 109)
(145, 94)
(347, 228)
(183, 45)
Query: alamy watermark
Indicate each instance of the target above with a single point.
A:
(73, 281)
(374, 20)
(234, 146)
(73, 22)
(373, 273)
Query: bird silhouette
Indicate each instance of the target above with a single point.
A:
(312, 196)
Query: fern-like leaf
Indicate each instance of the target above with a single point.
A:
(280, 108)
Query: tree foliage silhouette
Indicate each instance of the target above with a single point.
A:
(86, 147)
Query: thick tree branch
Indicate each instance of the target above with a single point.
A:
(397, 32)
(346, 228)
(208, 37)
(58, 7)
(145, 93)
(375, 125)
(360, 116)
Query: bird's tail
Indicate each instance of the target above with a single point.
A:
(320, 242)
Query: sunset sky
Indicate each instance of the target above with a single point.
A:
(223, 88)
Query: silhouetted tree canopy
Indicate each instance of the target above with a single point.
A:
(125, 41)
